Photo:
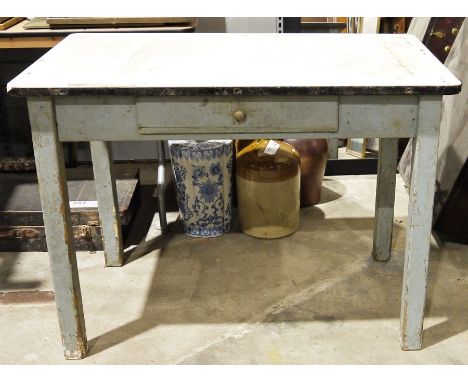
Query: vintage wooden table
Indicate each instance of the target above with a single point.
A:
(108, 87)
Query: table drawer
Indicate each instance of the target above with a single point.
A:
(233, 114)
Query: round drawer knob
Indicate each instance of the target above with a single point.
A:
(239, 116)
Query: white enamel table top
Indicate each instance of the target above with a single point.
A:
(235, 64)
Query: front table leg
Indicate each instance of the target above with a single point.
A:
(418, 235)
(108, 205)
(385, 199)
(56, 212)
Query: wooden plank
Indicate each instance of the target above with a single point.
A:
(385, 199)
(368, 116)
(10, 22)
(300, 64)
(114, 21)
(33, 238)
(26, 297)
(77, 118)
(28, 42)
(54, 198)
(418, 234)
(260, 114)
(106, 193)
(37, 26)
(393, 115)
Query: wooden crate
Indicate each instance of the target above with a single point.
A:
(7, 22)
(105, 22)
(21, 223)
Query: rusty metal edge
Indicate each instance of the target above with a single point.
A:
(241, 91)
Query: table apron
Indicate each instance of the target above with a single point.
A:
(121, 118)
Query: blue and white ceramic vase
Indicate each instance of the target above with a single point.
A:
(203, 176)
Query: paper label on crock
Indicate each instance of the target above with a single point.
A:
(83, 204)
(272, 147)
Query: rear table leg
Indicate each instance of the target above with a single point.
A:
(385, 199)
(106, 193)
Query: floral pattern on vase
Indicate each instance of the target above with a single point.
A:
(203, 176)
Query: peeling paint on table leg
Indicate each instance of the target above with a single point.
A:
(108, 205)
(418, 236)
(53, 191)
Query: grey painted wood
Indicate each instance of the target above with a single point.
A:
(418, 234)
(385, 199)
(106, 192)
(60, 244)
(378, 116)
(216, 114)
(333, 148)
(203, 64)
(107, 118)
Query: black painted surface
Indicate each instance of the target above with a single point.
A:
(452, 223)
(15, 131)
(244, 91)
(351, 166)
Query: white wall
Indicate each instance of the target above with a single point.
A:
(251, 24)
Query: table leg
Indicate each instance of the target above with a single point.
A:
(161, 186)
(53, 190)
(385, 199)
(418, 233)
(332, 148)
(106, 193)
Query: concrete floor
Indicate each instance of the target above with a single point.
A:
(315, 297)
